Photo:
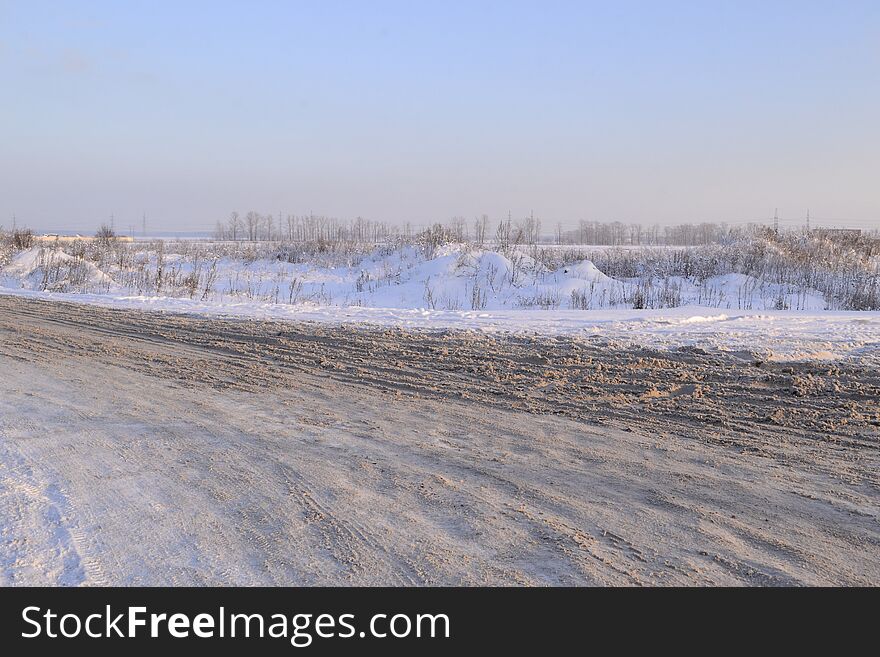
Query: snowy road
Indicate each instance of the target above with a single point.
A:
(139, 448)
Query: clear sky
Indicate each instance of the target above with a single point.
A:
(636, 111)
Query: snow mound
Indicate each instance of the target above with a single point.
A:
(584, 270)
(25, 263)
(38, 268)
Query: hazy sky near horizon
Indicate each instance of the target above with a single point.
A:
(635, 111)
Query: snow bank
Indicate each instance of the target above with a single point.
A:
(775, 335)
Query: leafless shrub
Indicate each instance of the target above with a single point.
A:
(546, 300)
(428, 295)
(294, 289)
(479, 298)
(22, 238)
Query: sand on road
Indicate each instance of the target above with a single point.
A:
(139, 448)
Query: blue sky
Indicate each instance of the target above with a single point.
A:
(637, 111)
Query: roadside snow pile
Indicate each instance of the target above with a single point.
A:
(55, 271)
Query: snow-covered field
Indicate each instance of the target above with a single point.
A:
(457, 286)
(451, 277)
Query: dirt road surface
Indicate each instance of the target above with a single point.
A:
(141, 448)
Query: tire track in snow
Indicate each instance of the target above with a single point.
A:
(260, 453)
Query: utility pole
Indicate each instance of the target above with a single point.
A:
(776, 221)
(808, 220)
(112, 221)
(144, 225)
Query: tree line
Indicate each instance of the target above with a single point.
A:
(256, 227)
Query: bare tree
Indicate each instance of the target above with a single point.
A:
(252, 222)
(481, 227)
(105, 235)
(234, 226)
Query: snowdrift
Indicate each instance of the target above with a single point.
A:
(41, 268)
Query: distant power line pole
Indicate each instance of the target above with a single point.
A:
(144, 225)
(112, 221)
(808, 220)
(776, 221)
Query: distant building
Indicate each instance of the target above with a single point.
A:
(53, 237)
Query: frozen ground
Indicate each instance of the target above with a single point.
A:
(149, 448)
